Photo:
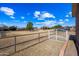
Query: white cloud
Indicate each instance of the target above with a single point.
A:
(3, 1)
(7, 11)
(61, 22)
(50, 23)
(4, 23)
(22, 17)
(67, 20)
(70, 13)
(12, 17)
(47, 23)
(37, 14)
(67, 15)
(47, 15)
(60, 19)
(16, 21)
(42, 15)
(25, 21)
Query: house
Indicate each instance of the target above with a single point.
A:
(75, 13)
(72, 28)
(3, 29)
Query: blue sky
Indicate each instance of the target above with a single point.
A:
(41, 14)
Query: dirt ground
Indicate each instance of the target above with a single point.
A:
(14, 33)
(46, 48)
(43, 48)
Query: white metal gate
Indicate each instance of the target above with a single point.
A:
(58, 35)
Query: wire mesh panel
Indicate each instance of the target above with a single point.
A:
(58, 35)
(61, 35)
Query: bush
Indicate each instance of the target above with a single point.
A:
(13, 28)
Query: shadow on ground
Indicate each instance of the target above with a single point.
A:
(74, 39)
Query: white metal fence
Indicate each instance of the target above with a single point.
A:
(58, 35)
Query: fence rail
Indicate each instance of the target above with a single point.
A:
(15, 41)
(22, 35)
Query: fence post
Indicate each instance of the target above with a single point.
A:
(56, 34)
(49, 34)
(67, 35)
(39, 37)
(15, 43)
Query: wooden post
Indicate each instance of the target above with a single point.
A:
(56, 35)
(67, 35)
(39, 37)
(15, 43)
(49, 34)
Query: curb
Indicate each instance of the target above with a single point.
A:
(62, 51)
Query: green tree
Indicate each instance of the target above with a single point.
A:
(44, 27)
(29, 26)
(57, 26)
